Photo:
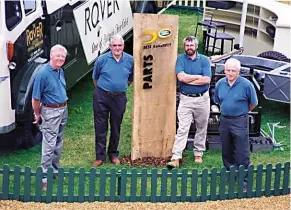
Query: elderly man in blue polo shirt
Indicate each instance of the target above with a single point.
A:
(194, 76)
(49, 102)
(112, 74)
(236, 96)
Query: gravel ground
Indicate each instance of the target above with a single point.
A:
(264, 203)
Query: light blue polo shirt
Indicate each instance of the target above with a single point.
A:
(50, 86)
(199, 66)
(112, 75)
(235, 100)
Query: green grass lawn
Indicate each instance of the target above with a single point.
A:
(79, 136)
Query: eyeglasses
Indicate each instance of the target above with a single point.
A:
(115, 45)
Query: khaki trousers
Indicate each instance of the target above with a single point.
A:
(52, 128)
(197, 109)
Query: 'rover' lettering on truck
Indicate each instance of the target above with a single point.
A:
(96, 13)
(97, 21)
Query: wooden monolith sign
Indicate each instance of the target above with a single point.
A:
(154, 109)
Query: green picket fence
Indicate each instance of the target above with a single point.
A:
(145, 185)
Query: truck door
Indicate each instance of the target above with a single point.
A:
(63, 30)
(21, 42)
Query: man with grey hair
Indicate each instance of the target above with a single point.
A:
(112, 75)
(49, 102)
(194, 75)
(236, 96)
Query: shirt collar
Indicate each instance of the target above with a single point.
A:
(238, 80)
(111, 56)
(198, 56)
(52, 69)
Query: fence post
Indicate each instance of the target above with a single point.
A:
(277, 179)
(133, 184)
(222, 184)
(81, 190)
(250, 181)
(259, 180)
(60, 181)
(194, 181)
(113, 185)
(164, 179)
(71, 185)
(286, 179)
(231, 182)
(49, 191)
(27, 183)
(268, 180)
(123, 185)
(174, 185)
(241, 178)
(154, 175)
(92, 184)
(204, 178)
(184, 181)
(5, 182)
(16, 188)
(143, 192)
(102, 185)
(213, 195)
(38, 183)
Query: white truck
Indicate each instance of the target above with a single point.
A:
(29, 28)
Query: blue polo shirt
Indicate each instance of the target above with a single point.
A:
(50, 86)
(199, 66)
(235, 100)
(112, 75)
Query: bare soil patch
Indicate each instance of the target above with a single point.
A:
(265, 203)
(146, 161)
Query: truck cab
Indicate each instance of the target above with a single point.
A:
(29, 28)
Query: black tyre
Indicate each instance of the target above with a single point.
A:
(30, 134)
(9, 141)
(274, 55)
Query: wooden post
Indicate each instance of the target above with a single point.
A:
(154, 111)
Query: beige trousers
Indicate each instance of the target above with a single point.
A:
(197, 109)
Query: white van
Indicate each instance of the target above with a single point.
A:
(29, 28)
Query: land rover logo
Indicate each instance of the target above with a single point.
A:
(165, 33)
(153, 35)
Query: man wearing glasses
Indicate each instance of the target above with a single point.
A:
(112, 74)
(194, 75)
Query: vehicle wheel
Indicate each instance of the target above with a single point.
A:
(31, 135)
(274, 55)
(9, 141)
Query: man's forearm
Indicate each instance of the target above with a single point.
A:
(95, 82)
(252, 106)
(200, 81)
(36, 106)
(186, 78)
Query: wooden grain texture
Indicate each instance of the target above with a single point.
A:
(154, 110)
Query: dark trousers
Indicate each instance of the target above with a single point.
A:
(234, 137)
(107, 106)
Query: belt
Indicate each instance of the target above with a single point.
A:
(235, 117)
(55, 105)
(193, 94)
(113, 93)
